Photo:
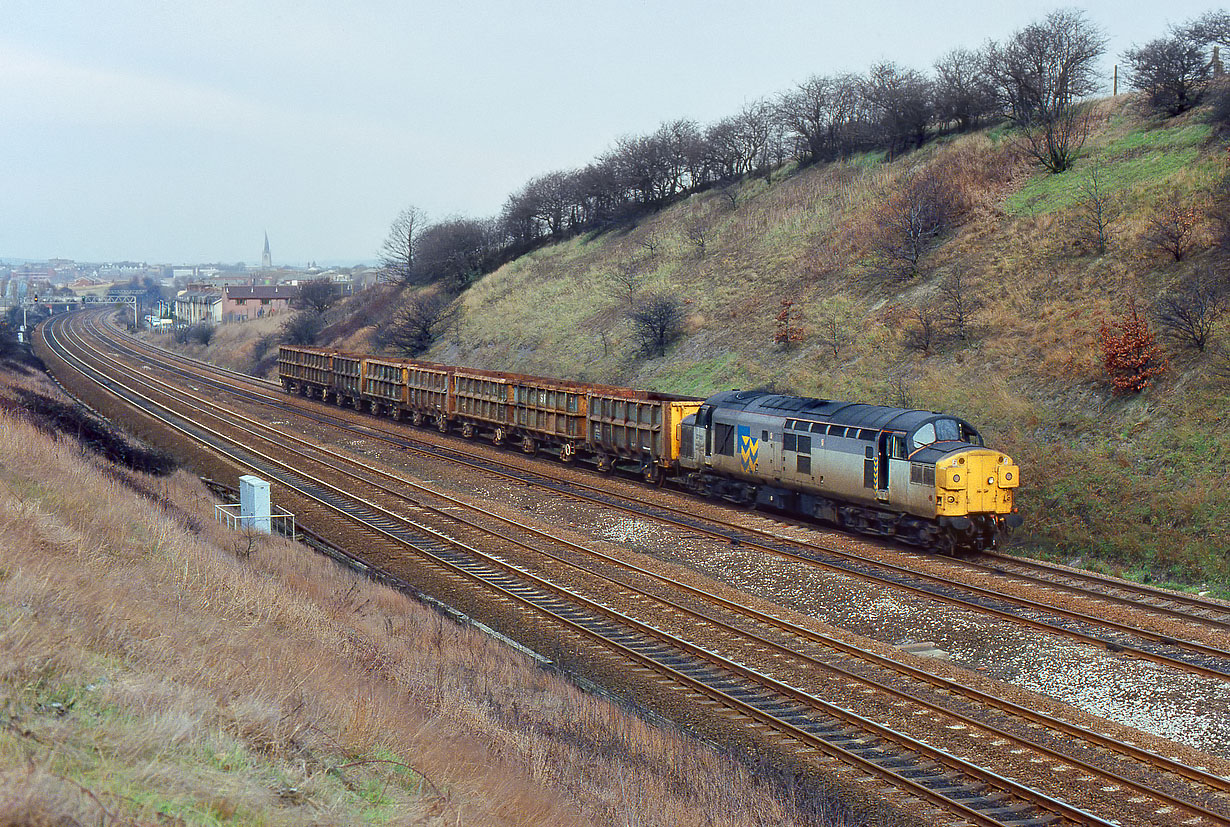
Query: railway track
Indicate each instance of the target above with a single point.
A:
(1209, 620)
(794, 713)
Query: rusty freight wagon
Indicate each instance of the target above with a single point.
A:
(530, 411)
(305, 370)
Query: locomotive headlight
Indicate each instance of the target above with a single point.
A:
(956, 477)
(1008, 476)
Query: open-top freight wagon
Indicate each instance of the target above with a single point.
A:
(600, 424)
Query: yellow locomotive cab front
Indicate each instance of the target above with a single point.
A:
(975, 492)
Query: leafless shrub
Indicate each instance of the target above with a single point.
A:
(1096, 211)
(960, 303)
(1190, 316)
(830, 332)
(418, 323)
(900, 391)
(202, 332)
(698, 235)
(625, 280)
(921, 333)
(911, 219)
(303, 328)
(657, 321)
(1171, 229)
(650, 242)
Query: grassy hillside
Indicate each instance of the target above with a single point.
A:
(1128, 483)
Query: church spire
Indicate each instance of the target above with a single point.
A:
(266, 258)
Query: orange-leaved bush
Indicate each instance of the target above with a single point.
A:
(1129, 352)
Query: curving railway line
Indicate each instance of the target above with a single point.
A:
(768, 672)
(1115, 615)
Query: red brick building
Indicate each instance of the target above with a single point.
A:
(243, 303)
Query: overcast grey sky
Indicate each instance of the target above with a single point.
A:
(182, 131)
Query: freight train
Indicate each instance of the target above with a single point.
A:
(922, 477)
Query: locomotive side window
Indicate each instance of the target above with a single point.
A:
(804, 464)
(805, 445)
(788, 442)
(724, 439)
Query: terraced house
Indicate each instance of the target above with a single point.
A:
(241, 303)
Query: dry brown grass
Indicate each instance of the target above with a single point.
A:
(148, 674)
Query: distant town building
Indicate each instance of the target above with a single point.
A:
(266, 257)
(193, 306)
(243, 303)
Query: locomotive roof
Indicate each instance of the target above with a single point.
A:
(808, 409)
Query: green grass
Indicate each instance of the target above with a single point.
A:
(699, 378)
(1141, 157)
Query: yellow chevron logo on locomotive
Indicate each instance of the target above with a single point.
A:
(749, 449)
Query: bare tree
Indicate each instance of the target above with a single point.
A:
(960, 303)
(1096, 211)
(1210, 27)
(418, 323)
(625, 279)
(963, 93)
(1191, 315)
(303, 328)
(1171, 71)
(900, 102)
(318, 295)
(657, 322)
(1041, 73)
(397, 254)
(911, 219)
(452, 253)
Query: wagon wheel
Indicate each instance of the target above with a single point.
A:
(416, 418)
(442, 423)
(566, 452)
(604, 464)
(497, 436)
(528, 445)
(652, 474)
(467, 430)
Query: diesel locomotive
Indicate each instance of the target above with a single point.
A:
(922, 477)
